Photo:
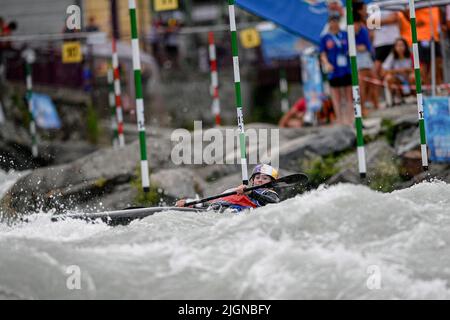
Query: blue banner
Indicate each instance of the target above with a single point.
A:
(279, 44)
(305, 18)
(44, 112)
(437, 126)
(312, 82)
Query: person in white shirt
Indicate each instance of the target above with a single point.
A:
(398, 69)
(384, 37)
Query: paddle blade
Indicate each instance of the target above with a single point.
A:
(293, 179)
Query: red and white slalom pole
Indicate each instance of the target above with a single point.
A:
(214, 78)
(112, 107)
(117, 93)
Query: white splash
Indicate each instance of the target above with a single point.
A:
(316, 246)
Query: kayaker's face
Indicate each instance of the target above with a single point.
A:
(260, 179)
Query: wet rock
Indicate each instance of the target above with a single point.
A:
(437, 171)
(220, 185)
(65, 152)
(90, 177)
(382, 167)
(372, 127)
(326, 142)
(411, 163)
(15, 150)
(178, 183)
(407, 140)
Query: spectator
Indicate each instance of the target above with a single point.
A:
(171, 42)
(5, 31)
(398, 69)
(92, 26)
(295, 117)
(155, 38)
(335, 62)
(67, 30)
(326, 115)
(384, 38)
(364, 58)
(335, 7)
(405, 26)
(427, 19)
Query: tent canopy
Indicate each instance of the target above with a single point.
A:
(306, 18)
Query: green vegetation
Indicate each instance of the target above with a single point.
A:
(100, 182)
(92, 124)
(188, 125)
(147, 199)
(389, 130)
(19, 102)
(321, 169)
(385, 177)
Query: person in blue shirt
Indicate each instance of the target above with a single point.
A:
(365, 55)
(336, 63)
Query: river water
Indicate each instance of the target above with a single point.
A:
(340, 242)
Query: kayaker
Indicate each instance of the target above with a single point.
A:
(262, 174)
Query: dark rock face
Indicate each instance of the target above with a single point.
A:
(407, 140)
(15, 150)
(380, 162)
(93, 176)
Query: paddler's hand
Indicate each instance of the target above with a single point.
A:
(180, 203)
(240, 189)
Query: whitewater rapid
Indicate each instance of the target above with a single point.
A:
(7, 180)
(340, 242)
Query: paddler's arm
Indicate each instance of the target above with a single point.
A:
(240, 189)
(182, 203)
(265, 196)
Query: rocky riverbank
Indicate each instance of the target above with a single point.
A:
(110, 179)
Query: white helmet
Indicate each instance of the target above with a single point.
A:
(265, 169)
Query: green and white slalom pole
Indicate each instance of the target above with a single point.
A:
(355, 90)
(284, 91)
(139, 96)
(112, 107)
(423, 140)
(237, 85)
(29, 82)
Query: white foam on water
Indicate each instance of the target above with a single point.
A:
(319, 245)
